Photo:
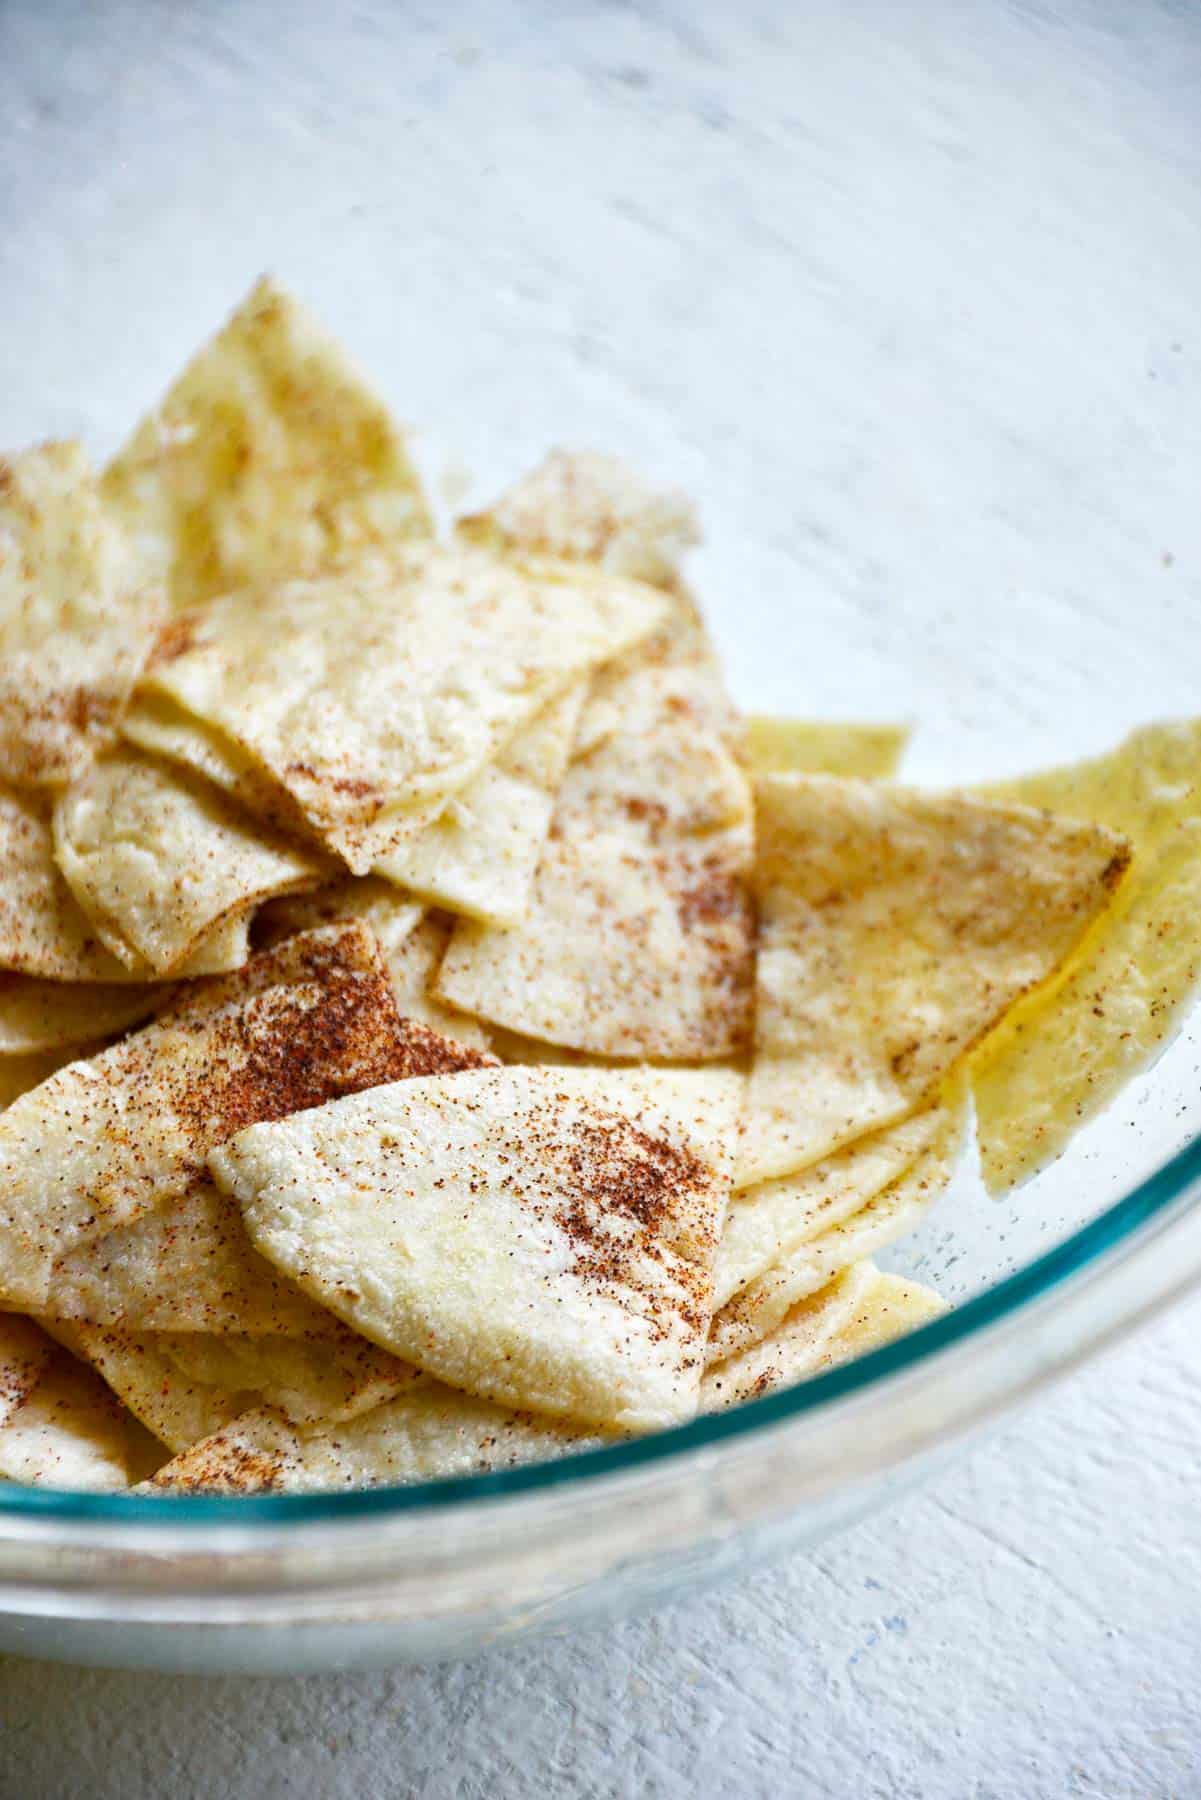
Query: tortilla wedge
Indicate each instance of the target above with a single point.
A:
(480, 855)
(775, 1218)
(42, 1017)
(896, 929)
(157, 858)
(76, 623)
(541, 1238)
(1064, 1052)
(46, 934)
(72, 1433)
(371, 696)
(780, 746)
(184, 1388)
(588, 506)
(189, 1267)
(428, 1432)
(413, 942)
(861, 1309)
(638, 941)
(268, 457)
(894, 1210)
(103, 1142)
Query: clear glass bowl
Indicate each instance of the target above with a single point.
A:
(911, 309)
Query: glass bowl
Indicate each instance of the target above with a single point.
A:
(908, 303)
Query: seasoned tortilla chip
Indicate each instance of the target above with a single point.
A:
(43, 1016)
(105, 1141)
(479, 856)
(44, 931)
(780, 746)
(187, 1267)
(374, 694)
(639, 938)
(24, 1354)
(183, 1388)
(860, 1310)
(896, 928)
(76, 622)
(72, 1433)
(774, 1218)
(429, 1432)
(1062, 1054)
(587, 506)
(894, 1210)
(542, 1238)
(268, 457)
(158, 858)
(190, 1267)
(413, 942)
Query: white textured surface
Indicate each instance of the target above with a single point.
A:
(1027, 1628)
(912, 304)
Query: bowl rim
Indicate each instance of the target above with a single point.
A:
(1119, 1228)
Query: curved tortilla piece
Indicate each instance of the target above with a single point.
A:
(188, 1267)
(103, 1142)
(891, 1213)
(774, 1218)
(860, 1310)
(183, 1388)
(24, 1353)
(430, 1432)
(76, 622)
(639, 938)
(413, 942)
(157, 858)
(1063, 1053)
(541, 1238)
(590, 507)
(782, 746)
(269, 456)
(72, 1433)
(38, 1017)
(18, 1074)
(479, 857)
(374, 694)
(896, 929)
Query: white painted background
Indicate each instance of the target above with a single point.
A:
(907, 291)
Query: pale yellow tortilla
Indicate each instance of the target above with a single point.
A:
(541, 1238)
(896, 929)
(890, 1213)
(39, 1017)
(1061, 1055)
(862, 1309)
(268, 457)
(413, 942)
(24, 1354)
(103, 1142)
(585, 505)
(480, 855)
(18, 1074)
(72, 1433)
(774, 1218)
(187, 1267)
(76, 618)
(782, 746)
(158, 858)
(639, 938)
(427, 1433)
(45, 933)
(183, 1388)
(374, 694)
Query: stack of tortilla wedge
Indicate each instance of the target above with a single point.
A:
(437, 1031)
